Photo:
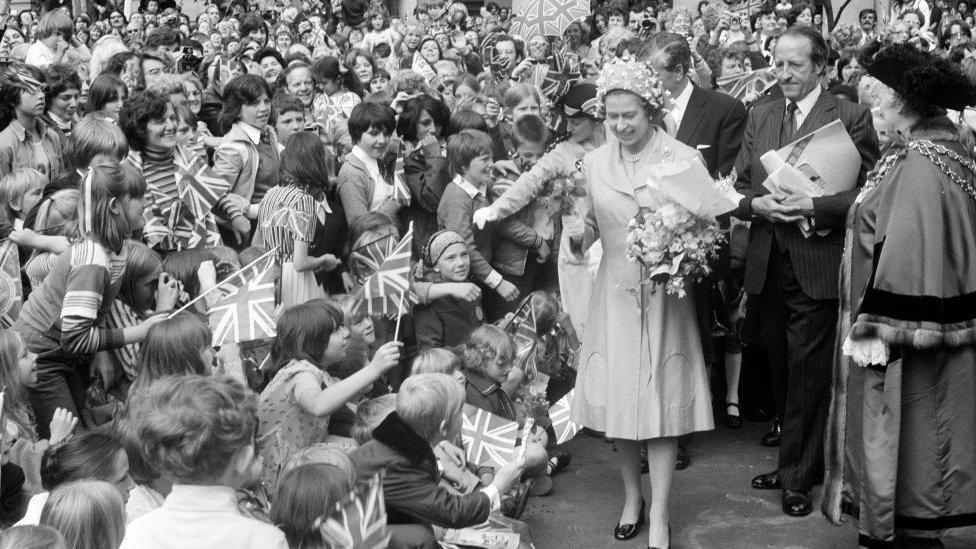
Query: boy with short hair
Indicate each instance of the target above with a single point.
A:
(525, 236)
(428, 412)
(199, 432)
(287, 115)
(469, 154)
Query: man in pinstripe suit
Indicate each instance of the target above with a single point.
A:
(791, 279)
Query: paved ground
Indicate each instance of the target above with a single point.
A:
(712, 504)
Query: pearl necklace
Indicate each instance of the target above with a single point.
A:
(635, 158)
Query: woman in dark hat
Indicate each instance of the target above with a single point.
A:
(901, 450)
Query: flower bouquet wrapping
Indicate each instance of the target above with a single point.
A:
(675, 242)
(565, 191)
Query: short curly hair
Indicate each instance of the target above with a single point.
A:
(486, 343)
(137, 112)
(190, 427)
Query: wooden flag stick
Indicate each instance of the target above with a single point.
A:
(242, 270)
(396, 333)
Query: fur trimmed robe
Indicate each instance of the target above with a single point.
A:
(901, 438)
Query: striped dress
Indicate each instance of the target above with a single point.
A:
(286, 214)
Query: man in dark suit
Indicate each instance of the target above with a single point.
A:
(707, 120)
(791, 279)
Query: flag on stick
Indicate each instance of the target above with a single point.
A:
(488, 439)
(522, 326)
(384, 288)
(359, 521)
(245, 312)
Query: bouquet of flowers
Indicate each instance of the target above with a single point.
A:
(565, 190)
(673, 244)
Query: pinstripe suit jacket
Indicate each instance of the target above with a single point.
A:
(816, 260)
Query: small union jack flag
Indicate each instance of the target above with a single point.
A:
(359, 522)
(559, 413)
(289, 218)
(366, 259)
(199, 188)
(11, 291)
(401, 192)
(245, 313)
(383, 289)
(488, 439)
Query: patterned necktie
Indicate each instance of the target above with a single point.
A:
(789, 124)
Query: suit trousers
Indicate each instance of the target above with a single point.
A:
(798, 332)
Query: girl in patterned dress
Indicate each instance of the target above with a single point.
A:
(289, 214)
(294, 408)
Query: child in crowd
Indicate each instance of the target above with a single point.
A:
(288, 116)
(302, 179)
(90, 514)
(304, 494)
(365, 185)
(145, 290)
(428, 411)
(55, 217)
(295, 406)
(187, 135)
(62, 322)
(20, 193)
(438, 361)
(369, 414)
(469, 153)
(487, 359)
(523, 244)
(448, 321)
(199, 432)
(89, 455)
(22, 451)
(176, 346)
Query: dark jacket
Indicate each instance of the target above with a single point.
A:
(426, 177)
(481, 392)
(816, 260)
(446, 322)
(410, 485)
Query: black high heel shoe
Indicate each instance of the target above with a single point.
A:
(624, 532)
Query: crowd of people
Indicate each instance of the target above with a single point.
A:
(150, 158)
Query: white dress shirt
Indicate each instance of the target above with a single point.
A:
(201, 517)
(679, 104)
(805, 105)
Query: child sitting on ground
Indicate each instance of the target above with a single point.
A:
(199, 431)
(295, 407)
(428, 411)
